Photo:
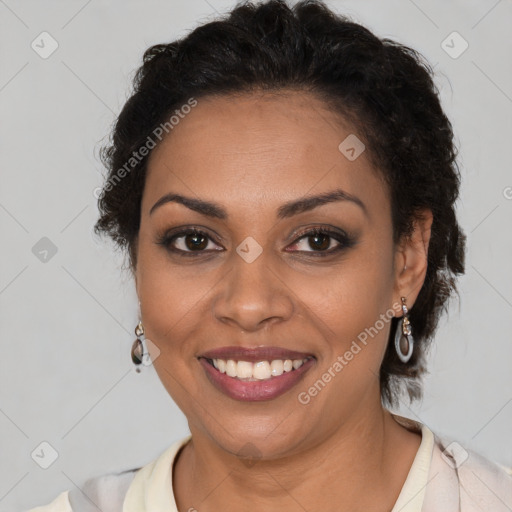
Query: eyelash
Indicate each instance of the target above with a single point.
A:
(343, 239)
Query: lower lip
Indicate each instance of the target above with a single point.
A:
(255, 391)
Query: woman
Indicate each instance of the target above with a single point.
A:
(284, 183)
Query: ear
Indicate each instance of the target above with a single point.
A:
(412, 253)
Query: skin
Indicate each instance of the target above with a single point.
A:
(250, 154)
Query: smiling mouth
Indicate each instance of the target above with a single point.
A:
(258, 380)
(247, 371)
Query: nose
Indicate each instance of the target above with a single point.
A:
(253, 295)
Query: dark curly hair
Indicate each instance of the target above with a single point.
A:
(385, 89)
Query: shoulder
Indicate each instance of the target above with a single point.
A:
(109, 491)
(465, 476)
(59, 504)
(105, 492)
(450, 476)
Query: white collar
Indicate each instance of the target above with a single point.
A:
(151, 488)
(412, 495)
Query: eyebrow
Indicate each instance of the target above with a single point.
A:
(289, 209)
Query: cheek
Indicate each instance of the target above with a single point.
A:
(351, 296)
(357, 325)
(352, 308)
(169, 309)
(169, 300)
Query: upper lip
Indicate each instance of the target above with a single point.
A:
(253, 355)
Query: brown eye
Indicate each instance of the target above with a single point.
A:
(195, 241)
(319, 241)
(187, 242)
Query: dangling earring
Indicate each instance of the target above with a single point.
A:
(404, 342)
(138, 347)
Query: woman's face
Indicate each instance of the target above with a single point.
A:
(256, 281)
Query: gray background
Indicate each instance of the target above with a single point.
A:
(67, 323)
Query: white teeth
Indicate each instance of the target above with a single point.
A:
(276, 367)
(260, 370)
(231, 368)
(221, 365)
(297, 363)
(244, 370)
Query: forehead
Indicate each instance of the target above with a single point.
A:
(259, 150)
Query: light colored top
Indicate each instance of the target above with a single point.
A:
(444, 477)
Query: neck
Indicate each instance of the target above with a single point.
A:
(362, 465)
